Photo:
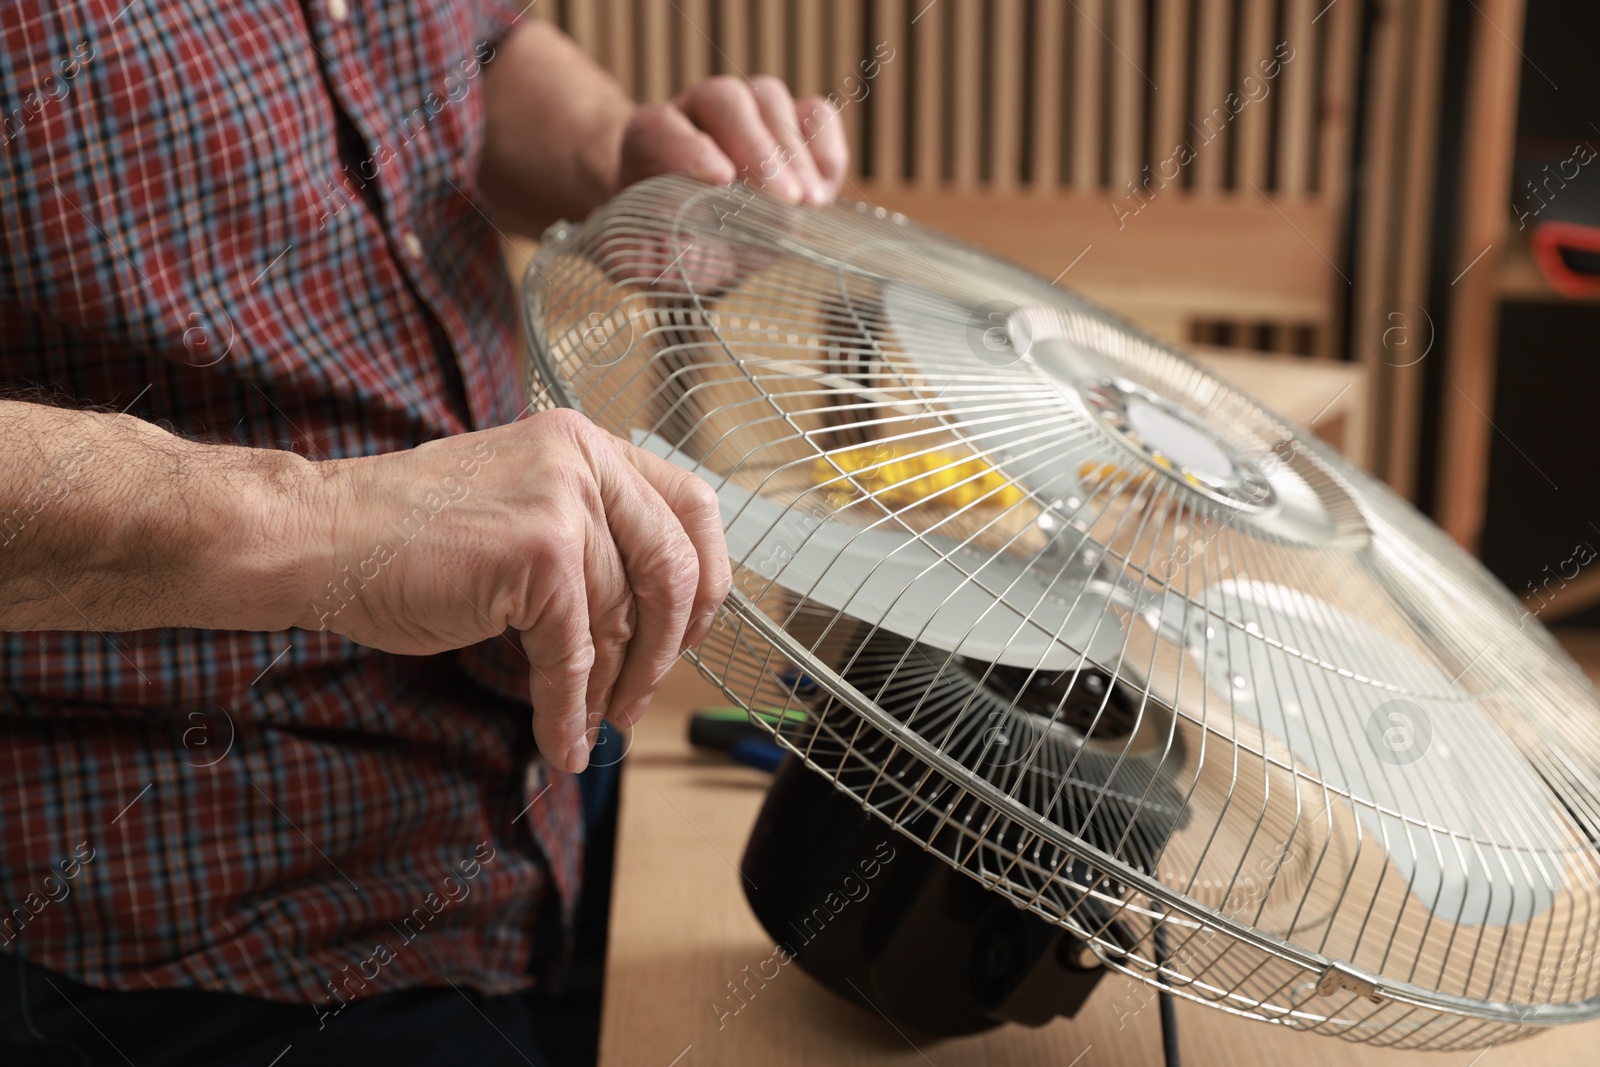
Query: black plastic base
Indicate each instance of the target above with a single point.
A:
(881, 922)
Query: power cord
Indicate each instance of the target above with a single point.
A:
(1166, 1004)
(1169, 1028)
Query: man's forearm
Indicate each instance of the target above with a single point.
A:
(108, 522)
(554, 124)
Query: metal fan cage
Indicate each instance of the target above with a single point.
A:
(1224, 816)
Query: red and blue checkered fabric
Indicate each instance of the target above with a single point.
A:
(255, 221)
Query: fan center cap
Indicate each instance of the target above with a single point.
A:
(1175, 442)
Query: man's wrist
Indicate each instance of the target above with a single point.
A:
(273, 544)
(553, 127)
(601, 158)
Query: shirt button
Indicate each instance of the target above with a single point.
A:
(338, 10)
(413, 246)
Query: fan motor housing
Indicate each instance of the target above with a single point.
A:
(926, 946)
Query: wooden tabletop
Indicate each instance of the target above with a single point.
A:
(681, 932)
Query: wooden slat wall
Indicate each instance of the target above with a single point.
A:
(1088, 95)
(1296, 104)
(655, 82)
(730, 38)
(1254, 123)
(967, 111)
(1169, 70)
(808, 76)
(1129, 62)
(1382, 208)
(1405, 68)
(928, 50)
(1048, 91)
(1211, 89)
(1408, 289)
(616, 26)
(694, 45)
(770, 31)
(1337, 89)
(989, 92)
(844, 79)
(888, 147)
(1006, 89)
(1468, 398)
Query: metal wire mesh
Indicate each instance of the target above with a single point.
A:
(1095, 627)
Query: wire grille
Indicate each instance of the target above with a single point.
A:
(1093, 626)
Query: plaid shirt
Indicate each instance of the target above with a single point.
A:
(254, 221)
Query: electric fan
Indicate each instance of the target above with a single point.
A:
(1125, 670)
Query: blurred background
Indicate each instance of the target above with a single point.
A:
(1381, 216)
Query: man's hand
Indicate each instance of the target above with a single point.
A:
(609, 561)
(561, 137)
(727, 129)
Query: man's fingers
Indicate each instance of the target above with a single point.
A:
(695, 504)
(727, 127)
(612, 622)
(663, 571)
(778, 112)
(661, 139)
(819, 121)
(561, 655)
(725, 107)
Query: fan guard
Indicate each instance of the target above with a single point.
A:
(1093, 626)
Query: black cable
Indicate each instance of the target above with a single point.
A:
(1165, 1004)
(1169, 1027)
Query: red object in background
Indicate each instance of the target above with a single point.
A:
(1554, 242)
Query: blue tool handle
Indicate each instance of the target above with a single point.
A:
(762, 755)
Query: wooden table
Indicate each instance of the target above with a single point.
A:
(681, 931)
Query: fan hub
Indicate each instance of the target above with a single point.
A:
(1175, 442)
